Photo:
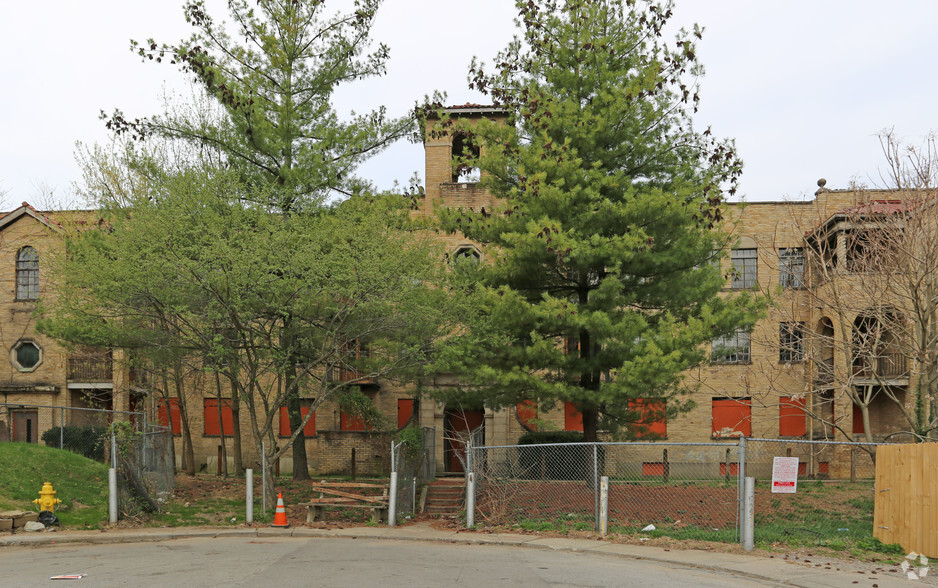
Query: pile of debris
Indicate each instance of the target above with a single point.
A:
(19, 519)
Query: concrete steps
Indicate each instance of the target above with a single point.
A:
(445, 496)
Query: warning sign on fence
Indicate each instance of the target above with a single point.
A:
(785, 475)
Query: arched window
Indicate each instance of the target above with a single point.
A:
(27, 274)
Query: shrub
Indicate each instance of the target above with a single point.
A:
(538, 437)
(87, 441)
(553, 463)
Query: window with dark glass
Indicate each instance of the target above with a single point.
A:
(791, 267)
(26, 355)
(27, 274)
(791, 342)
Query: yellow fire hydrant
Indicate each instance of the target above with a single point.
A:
(47, 499)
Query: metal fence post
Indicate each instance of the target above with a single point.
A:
(392, 497)
(112, 495)
(249, 495)
(603, 505)
(749, 502)
(62, 428)
(740, 478)
(264, 477)
(596, 482)
(113, 450)
(470, 490)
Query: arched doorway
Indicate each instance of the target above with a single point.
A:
(459, 425)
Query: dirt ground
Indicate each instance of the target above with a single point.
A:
(549, 497)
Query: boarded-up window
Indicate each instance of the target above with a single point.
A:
(308, 431)
(168, 413)
(349, 422)
(652, 422)
(791, 417)
(527, 414)
(405, 411)
(823, 467)
(572, 418)
(210, 416)
(858, 428)
(734, 468)
(732, 417)
(654, 468)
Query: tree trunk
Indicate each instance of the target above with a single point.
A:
(236, 427)
(590, 424)
(300, 461)
(188, 454)
(221, 426)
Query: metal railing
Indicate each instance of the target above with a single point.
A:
(884, 365)
(90, 369)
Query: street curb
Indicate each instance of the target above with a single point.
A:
(732, 563)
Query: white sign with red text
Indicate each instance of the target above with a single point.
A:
(785, 475)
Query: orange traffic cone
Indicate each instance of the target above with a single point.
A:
(280, 516)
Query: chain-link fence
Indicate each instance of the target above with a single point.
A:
(145, 468)
(681, 490)
(832, 501)
(415, 466)
(84, 431)
(141, 452)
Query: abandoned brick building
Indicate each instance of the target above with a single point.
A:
(793, 376)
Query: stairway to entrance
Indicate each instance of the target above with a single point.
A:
(445, 496)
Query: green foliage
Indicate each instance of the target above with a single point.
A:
(538, 437)
(80, 483)
(358, 405)
(413, 441)
(270, 72)
(88, 441)
(874, 544)
(612, 207)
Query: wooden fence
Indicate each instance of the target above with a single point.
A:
(906, 505)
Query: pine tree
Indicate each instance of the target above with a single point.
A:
(603, 287)
(272, 70)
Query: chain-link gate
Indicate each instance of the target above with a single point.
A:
(414, 468)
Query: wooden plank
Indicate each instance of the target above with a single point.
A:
(328, 501)
(335, 492)
(350, 485)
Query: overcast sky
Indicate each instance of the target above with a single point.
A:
(803, 86)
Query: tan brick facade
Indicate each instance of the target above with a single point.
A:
(761, 381)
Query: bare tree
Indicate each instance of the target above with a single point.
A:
(870, 288)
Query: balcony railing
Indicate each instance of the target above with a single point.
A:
(91, 369)
(886, 365)
(351, 375)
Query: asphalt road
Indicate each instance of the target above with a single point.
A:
(292, 561)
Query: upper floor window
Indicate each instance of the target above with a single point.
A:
(467, 253)
(744, 267)
(465, 158)
(732, 348)
(27, 274)
(791, 267)
(791, 342)
(26, 355)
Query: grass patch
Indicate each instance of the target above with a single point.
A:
(80, 483)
